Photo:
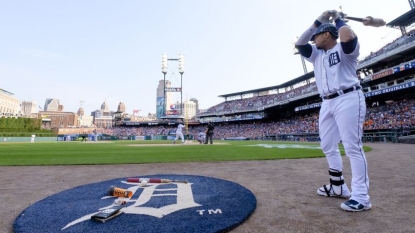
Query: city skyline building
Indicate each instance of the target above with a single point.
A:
(189, 108)
(8, 103)
(103, 117)
(59, 119)
(161, 102)
(29, 107)
(51, 105)
(84, 120)
(121, 107)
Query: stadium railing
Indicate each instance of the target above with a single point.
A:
(382, 136)
(295, 137)
(379, 136)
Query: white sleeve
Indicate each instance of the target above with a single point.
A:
(306, 36)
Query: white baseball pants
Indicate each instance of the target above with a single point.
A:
(179, 134)
(342, 119)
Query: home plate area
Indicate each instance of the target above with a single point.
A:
(165, 203)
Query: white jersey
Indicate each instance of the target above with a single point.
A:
(334, 70)
(179, 128)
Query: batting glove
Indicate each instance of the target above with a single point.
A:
(338, 15)
(325, 17)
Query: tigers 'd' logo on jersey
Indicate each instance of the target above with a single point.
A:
(334, 58)
(204, 204)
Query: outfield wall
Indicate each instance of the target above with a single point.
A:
(27, 139)
(72, 130)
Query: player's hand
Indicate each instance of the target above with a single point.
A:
(334, 14)
(327, 16)
(337, 15)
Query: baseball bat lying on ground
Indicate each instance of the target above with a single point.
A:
(155, 180)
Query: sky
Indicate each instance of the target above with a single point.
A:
(100, 50)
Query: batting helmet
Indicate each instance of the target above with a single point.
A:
(326, 27)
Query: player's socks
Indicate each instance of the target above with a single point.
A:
(336, 188)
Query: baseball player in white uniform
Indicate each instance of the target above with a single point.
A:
(343, 109)
(179, 133)
(32, 139)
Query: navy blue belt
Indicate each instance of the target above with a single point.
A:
(335, 95)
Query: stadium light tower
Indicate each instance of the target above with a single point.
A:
(295, 52)
(181, 71)
(164, 71)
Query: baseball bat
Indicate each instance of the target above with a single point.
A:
(368, 21)
(155, 180)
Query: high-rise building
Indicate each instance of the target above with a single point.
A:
(102, 117)
(196, 102)
(80, 112)
(121, 107)
(161, 102)
(51, 105)
(29, 107)
(84, 121)
(8, 103)
(105, 107)
(189, 108)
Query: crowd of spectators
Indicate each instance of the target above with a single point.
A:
(405, 39)
(141, 130)
(253, 103)
(295, 124)
(394, 115)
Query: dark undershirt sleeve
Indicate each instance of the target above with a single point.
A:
(305, 50)
(350, 46)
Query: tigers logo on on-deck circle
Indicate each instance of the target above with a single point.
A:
(204, 204)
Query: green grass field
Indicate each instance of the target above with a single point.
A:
(134, 152)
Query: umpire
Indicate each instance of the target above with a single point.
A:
(209, 133)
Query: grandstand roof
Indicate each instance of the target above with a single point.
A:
(404, 20)
(286, 84)
(172, 117)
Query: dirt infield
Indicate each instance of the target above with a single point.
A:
(285, 190)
